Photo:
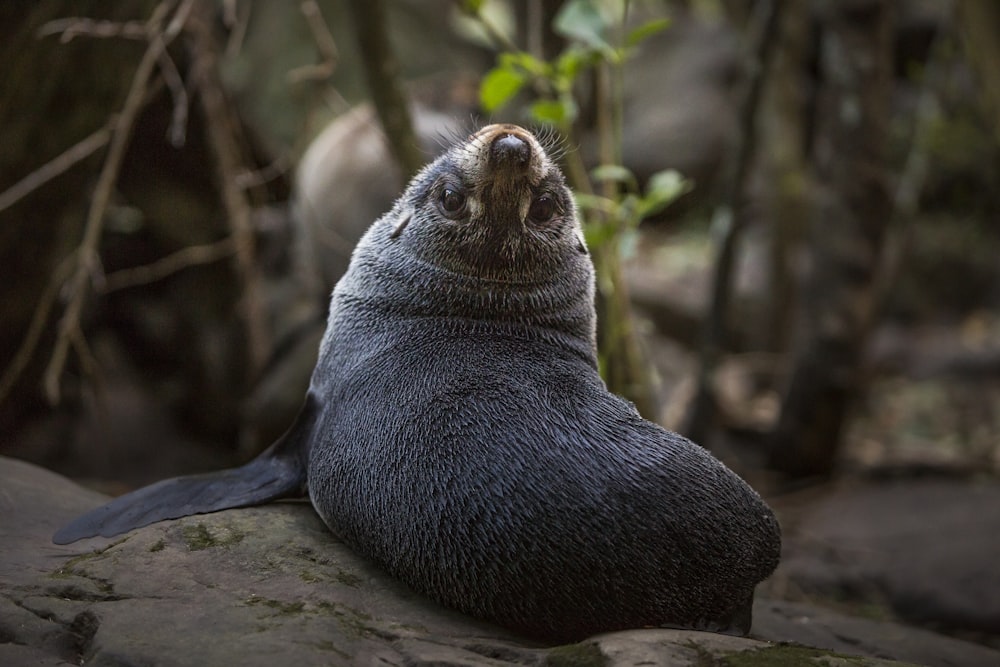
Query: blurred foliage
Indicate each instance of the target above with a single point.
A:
(599, 45)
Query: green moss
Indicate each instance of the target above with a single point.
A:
(199, 537)
(348, 578)
(576, 655)
(70, 569)
(309, 577)
(282, 608)
(157, 546)
(341, 577)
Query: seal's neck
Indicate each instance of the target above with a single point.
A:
(387, 279)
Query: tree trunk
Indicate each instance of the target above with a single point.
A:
(730, 219)
(785, 169)
(979, 21)
(382, 71)
(850, 218)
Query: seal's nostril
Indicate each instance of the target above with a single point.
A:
(512, 149)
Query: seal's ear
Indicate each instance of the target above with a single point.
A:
(401, 226)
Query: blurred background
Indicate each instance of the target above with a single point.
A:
(817, 301)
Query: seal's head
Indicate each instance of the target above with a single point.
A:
(500, 206)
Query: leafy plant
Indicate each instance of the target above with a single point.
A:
(610, 199)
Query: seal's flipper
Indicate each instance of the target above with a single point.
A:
(279, 472)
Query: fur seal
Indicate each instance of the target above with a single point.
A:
(457, 432)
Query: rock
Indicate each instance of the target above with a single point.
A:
(347, 179)
(925, 547)
(270, 585)
(820, 628)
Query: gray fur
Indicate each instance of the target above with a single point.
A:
(469, 445)
(457, 431)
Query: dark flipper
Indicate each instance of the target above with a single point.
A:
(279, 472)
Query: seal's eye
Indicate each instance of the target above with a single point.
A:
(452, 202)
(542, 209)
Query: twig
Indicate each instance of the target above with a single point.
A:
(86, 253)
(56, 166)
(247, 179)
(70, 28)
(499, 38)
(175, 83)
(33, 336)
(221, 130)
(172, 263)
(88, 364)
(325, 45)
(237, 22)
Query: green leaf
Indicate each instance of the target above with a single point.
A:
(668, 183)
(646, 30)
(548, 111)
(471, 7)
(598, 234)
(572, 61)
(614, 172)
(498, 87)
(663, 188)
(569, 64)
(587, 202)
(581, 20)
(524, 61)
(628, 243)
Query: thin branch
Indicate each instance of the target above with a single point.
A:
(237, 22)
(499, 38)
(325, 46)
(175, 83)
(73, 27)
(169, 265)
(88, 364)
(86, 253)
(33, 336)
(56, 166)
(247, 180)
(220, 126)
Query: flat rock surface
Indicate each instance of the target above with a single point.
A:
(926, 549)
(271, 585)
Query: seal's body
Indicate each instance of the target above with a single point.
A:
(457, 431)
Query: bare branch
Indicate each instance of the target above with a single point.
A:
(175, 83)
(221, 128)
(325, 45)
(33, 336)
(172, 263)
(56, 166)
(237, 21)
(72, 27)
(247, 180)
(86, 253)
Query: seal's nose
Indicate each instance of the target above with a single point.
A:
(509, 149)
